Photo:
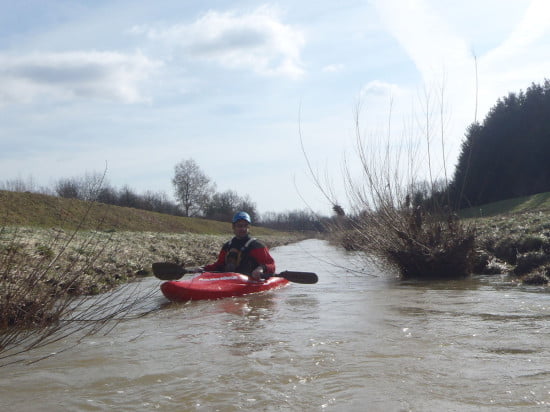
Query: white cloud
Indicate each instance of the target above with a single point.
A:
(333, 68)
(523, 54)
(66, 75)
(379, 88)
(425, 36)
(533, 25)
(449, 98)
(256, 41)
(444, 58)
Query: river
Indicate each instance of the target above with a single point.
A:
(356, 341)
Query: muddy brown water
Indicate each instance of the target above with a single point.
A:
(352, 342)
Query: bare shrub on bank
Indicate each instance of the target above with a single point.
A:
(396, 218)
(46, 285)
(420, 244)
(53, 284)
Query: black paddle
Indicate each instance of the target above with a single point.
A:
(173, 271)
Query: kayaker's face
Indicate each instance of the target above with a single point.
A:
(240, 228)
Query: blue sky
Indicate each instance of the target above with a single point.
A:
(141, 85)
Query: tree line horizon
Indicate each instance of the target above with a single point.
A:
(196, 195)
(503, 157)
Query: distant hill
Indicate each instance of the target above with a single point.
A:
(540, 201)
(38, 210)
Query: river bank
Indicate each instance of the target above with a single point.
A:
(517, 244)
(37, 264)
(54, 280)
(106, 259)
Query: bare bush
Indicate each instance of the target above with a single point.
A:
(23, 185)
(51, 286)
(297, 220)
(86, 187)
(397, 217)
(43, 288)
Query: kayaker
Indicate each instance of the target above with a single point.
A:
(243, 254)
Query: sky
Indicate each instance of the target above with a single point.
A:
(258, 94)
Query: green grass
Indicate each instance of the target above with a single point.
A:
(43, 211)
(540, 201)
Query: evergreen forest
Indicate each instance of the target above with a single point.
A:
(508, 154)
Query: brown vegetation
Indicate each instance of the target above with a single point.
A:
(400, 221)
(33, 209)
(514, 244)
(47, 273)
(517, 244)
(419, 245)
(392, 221)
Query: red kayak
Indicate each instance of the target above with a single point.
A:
(210, 285)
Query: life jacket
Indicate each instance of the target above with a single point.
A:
(238, 259)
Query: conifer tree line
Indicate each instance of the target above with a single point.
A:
(508, 154)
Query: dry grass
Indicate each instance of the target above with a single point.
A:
(515, 243)
(102, 260)
(55, 253)
(46, 276)
(38, 210)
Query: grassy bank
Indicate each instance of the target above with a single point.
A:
(513, 237)
(53, 251)
(526, 204)
(43, 211)
(516, 241)
(105, 259)
(510, 237)
(112, 244)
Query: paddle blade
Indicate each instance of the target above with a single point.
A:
(299, 277)
(168, 271)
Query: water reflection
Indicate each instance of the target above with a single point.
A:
(253, 307)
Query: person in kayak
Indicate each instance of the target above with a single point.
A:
(243, 254)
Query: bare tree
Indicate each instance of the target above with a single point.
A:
(246, 204)
(192, 187)
(86, 187)
(388, 197)
(222, 206)
(67, 188)
(19, 185)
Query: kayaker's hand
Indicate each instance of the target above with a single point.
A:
(257, 273)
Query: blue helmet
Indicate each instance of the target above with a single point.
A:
(241, 216)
